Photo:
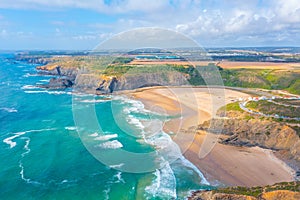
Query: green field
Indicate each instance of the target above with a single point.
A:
(270, 108)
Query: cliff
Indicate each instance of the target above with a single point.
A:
(274, 195)
(279, 191)
(85, 80)
(241, 129)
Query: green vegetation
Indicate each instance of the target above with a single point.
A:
(122, 60)
(293, 102)
(270, 108)
(295, 87)
(267, 79)
(232, 107)
(248, 117)
(249, 78)
(112, 70)
(257, 191)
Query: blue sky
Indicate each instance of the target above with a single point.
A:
(76, 24)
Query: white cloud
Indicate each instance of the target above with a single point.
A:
(288, 11)
(92, 36)
(278, 20)
(116, 6)
(214, 21)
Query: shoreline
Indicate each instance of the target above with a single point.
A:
(224, 164)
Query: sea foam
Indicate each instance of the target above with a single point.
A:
(94, 135)
(115, 144)
(12, 144)
(28, 87)
(11, 110)
(47, 92)
(106, 137)
(71, 128)
(164, 185)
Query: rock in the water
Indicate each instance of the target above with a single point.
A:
(58, 83)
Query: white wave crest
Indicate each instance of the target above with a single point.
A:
(134, 121)
(118, 178)
(106, 137)
(9, 141)
(116, 166)
(28, 75)
(164, 186)
(93, 101)
(28, 87)
(71, 128)
(188, 164)
(94, 135)
(48, 92)
(9, 109)
(115, 144)
(12, 144)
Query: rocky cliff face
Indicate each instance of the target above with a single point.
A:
(33, 59)
(278, 191)
(56, 70)
(274, 195)
(209, 195)
(86, 81)
(129, 82)
(254, 131)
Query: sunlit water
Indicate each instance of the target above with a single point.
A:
(43, 157)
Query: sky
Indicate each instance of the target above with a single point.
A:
(83, 24)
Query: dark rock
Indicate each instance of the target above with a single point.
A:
(58, 70)
(58, 83)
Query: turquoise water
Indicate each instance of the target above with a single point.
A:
(44, 157)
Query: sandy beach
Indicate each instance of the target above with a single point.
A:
(220, 164)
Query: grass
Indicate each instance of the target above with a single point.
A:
(295, 87)
(270, 108)
(257, 191)
(267, 79)
(293, 102)
(232, 107)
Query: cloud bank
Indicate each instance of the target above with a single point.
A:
(210, 22)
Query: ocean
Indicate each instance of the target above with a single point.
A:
(49, 150)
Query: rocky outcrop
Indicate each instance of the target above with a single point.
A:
(263, 133)
(274, 195)
(209, 195)
(65, 77)
(57, 70)
(86, 81)
(58, 83)
(104, 85)
(254, 131)
(278, 191)
(280, 194)
(129, 82)
(33, 59)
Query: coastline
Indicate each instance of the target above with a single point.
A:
(224, 164)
